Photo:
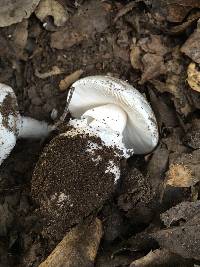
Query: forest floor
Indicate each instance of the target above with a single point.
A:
(153, 219)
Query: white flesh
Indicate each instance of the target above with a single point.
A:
(141, 132)
(32, 128)
(111, 115)
(18, 126)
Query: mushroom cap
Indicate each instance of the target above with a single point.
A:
(141, 131)
(9, 120)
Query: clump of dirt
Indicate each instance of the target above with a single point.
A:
(72, 178)
(136, 195)
(8, 108)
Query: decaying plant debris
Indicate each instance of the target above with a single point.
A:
(153, 216)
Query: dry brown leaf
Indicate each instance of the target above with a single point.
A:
(179, 176)
(191, 47)
(184, 170)
(153, 67)
(159, 257)
(174, 140)
(147, 56)
(124, 10)
(69, 79)
(55, 71)
(153, 44)
(181, 212)
(183, 240)
(174, 83)
(193, 78)
(65, 39)
(165, 115)
(78, 248)
(174, 10)
(12, 11)
(52, 8)
(91, 18)
(20, 36)
(135, 58)
(182, 27)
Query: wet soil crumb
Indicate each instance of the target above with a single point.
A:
(72, 178)
(135, 196)
(9, 108)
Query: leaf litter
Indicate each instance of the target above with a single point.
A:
(153, 216)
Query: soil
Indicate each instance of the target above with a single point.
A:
(65, 198)
(9, 107)
(151, 44)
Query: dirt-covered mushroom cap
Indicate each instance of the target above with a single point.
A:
(13, 125)
(138, 126)
(9, 119)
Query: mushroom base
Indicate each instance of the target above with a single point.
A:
(73, 177)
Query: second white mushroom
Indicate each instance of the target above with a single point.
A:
(13, 125)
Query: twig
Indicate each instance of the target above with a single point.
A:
(69, 80)
(66, 110)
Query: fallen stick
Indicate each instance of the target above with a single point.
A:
(78, 248)
(70, 79)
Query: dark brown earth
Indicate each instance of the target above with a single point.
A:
(9, 107)
(69, 182)
(151, 44)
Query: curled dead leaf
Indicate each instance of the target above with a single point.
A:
(159, 257)
(178, 29)
(52, 8)
(193, 78)
(179, 176)
(181, 212)
(65, 39)
(154, 44)
(183, 240)
(135, 58)
(184, 170)
(55, 71)
(124, 10)
(91, 18)
(147, 55)
(20, 37)
(78, 248)
(153, 67)
(69, 79)
(12, 11)
(174, 10)
(191, 47)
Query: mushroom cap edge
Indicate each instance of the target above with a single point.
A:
(141, 131)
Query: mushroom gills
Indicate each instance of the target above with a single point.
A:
(90, 93)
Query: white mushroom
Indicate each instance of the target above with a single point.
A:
(112, 121)
(115, 111)
(13, 125)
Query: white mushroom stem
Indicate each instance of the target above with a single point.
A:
(108, 116)
(106, 122)
(32, 128)
(13, 125)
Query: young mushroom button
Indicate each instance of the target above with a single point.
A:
(13, 125)
(79, 169)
